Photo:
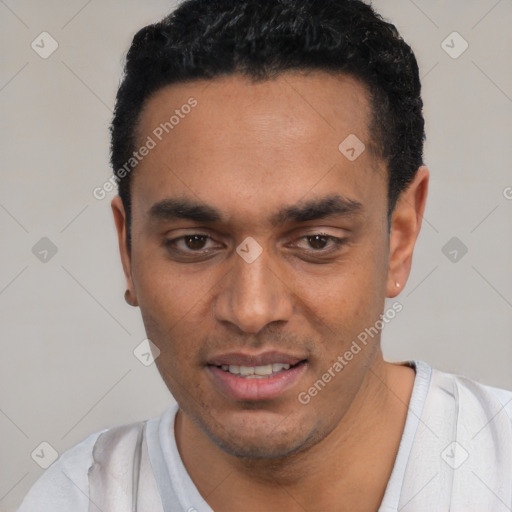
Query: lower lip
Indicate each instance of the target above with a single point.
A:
(241, 388)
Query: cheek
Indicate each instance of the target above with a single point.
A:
(350, 294)
(170, 291)
(175, 304)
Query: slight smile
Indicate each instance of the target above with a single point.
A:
(265, 376)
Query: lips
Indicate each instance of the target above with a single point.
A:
(240, 359)
(252, 377)
(255, 372)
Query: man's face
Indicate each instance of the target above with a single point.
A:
(260, 161)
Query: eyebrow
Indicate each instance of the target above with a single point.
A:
(315, 209)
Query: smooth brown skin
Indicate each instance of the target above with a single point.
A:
(249, 150)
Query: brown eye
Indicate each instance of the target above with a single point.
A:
(319, 245)
(195, 242)
(317, 241)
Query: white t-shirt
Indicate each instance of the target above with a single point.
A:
(455, 455)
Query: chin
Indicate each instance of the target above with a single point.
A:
(262, 439)
(259, 449)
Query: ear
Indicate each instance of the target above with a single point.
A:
(120, 222)
(405, 228)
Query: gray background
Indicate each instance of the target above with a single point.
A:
(68, 367)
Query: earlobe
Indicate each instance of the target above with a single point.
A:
(121, 228)
(129, 299)
(405, 228)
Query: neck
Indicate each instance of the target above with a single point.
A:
(336, 470)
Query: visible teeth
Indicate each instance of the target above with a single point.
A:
(263, 370)
(255, 371)
(277, 367)
(246, 370)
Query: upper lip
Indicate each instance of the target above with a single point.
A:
(265, 358)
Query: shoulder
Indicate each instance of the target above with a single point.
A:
(477, 417)
(474, 396)
(462, 447)
(64, 485)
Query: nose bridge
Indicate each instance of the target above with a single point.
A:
(253, 296)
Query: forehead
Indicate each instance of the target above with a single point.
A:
(276, 141)
(293, 104)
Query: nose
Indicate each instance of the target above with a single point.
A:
(253, 296)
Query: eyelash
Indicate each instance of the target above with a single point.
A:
(336, 244)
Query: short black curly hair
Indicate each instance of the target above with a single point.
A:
(205, 39)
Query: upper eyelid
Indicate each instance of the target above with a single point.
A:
(177, 238)
(206, 235)
(334, 239)
(293, 233)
